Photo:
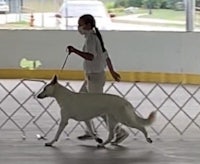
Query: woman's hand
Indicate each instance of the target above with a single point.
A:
(70, 49)
(115, 76)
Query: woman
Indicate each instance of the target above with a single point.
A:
(95, 61)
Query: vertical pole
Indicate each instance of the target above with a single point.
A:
(150, 7)
(190, 13)
(42, 12)
(66, 15)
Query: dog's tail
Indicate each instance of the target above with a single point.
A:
(149, 120)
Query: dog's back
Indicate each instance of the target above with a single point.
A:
(83, 106)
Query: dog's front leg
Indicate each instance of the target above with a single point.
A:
(62, 125)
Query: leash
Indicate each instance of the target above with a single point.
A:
(63, 66)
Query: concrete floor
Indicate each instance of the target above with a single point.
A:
(72, 151)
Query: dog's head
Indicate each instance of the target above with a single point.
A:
(48, 90)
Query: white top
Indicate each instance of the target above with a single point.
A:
(92, 45)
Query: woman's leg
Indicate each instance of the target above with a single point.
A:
(87, 135)
(94, 83)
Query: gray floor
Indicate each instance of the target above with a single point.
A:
(174, 150)
(72, 151)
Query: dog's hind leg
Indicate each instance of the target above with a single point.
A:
(62, 125)
(91, 131)
(143, 130)
(111, 122)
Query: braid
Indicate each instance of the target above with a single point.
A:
(100, 38)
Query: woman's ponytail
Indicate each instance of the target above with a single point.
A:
(100, 38)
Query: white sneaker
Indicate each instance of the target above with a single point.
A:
(121, 135)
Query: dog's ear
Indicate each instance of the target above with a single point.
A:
(54, 80)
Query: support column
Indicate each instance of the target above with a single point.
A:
(190, 15)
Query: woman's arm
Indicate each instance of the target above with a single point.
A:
(85, 55)
(114, 74)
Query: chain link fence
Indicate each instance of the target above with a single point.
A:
(177, 107)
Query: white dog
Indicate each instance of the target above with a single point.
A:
(85, 106)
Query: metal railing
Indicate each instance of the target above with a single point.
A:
(177, 106)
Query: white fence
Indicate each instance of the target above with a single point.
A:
(177, 108)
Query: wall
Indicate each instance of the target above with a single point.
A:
(164, 52)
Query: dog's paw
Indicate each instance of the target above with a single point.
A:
(149, 140)
(48, 144)
(100, 146)
(99, 140)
